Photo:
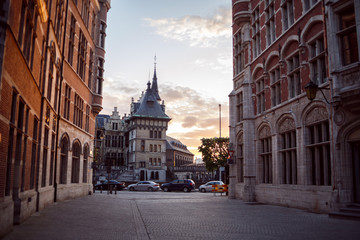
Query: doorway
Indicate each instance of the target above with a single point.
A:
(142, 175)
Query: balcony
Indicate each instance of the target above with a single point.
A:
(241, 12)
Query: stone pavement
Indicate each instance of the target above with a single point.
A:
(158, 215)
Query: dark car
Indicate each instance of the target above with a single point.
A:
(113, 183)
(179, 185)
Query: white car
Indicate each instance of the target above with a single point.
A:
(207, 187)
(144, 186)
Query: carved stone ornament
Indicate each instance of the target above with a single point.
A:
(287, 125)
(339, 118)
(317, 114)
(265, 132)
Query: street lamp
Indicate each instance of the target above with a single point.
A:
(311, 89)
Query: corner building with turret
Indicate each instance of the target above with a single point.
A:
(294, 108)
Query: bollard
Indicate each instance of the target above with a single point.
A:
(101, 189)
(110, 187)
(115, 189)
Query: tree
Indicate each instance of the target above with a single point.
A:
(214, 152)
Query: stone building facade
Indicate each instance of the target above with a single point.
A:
(51, 73)
(177, 153)
(290, 150)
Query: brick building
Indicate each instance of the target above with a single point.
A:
(293, 149)
(51, 73)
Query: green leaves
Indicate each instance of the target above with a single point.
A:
(214, 152)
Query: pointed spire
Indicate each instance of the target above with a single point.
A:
(154, 85)
(148, 84)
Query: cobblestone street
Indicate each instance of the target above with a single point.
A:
(158, 215)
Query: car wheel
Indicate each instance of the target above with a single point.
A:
(186, 189)
(150, 189)
(131, 189)
(166, 189)
(203, 190)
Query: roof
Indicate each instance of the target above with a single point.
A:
(174, 144)
(101, 119)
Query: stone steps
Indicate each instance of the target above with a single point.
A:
(352, 212)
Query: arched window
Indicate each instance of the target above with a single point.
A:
(85, 165)
(157, 175)
(64, 146)
(75, 167)
(287, 145)
(152, 175)
(265, 155)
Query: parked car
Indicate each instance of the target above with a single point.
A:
(179, 185)
(207, 187)
(105, 185)
(144, 186)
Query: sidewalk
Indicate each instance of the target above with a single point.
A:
(158, 215)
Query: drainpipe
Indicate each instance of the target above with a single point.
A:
(42, 112)
(59, 103)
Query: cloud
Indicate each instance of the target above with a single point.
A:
(197, 31)
(222, 63)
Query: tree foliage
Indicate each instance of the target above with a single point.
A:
(214, 152)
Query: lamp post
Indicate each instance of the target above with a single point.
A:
(311, 89)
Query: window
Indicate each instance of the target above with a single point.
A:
(159, 148)
(78, 111)
(85, 165)
(102, 35)
(270, 22)
(87, 118)
(317, 60)
(287, 13)
(256, 32)
(67, 102)
(239, 54)
(239, 107)
(107, 140)
(71, 40)
(50, 76)
(52, 159)
(33, 153)
(45, 157)
(309, 4)
(59, 19)
(93, 25)
(265, 156)
(318, 148)
(151, 147)
(23, 159)
(85, 12)
(82, 56)
(27, 30)
(294, 75)
(90, 68)
(115, 126)
(143, 145)
(75, 167)
(64, 146)
(155, 148)
(347, 35)
(100, 76)
(240, 159)
(57, 88)
(151, 134)
(275, 87)
(260, 95)
(288, 157)
(159, 134)
(114, 141)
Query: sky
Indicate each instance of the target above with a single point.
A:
(191, 40)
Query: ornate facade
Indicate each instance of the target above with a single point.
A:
(290, 150)
(51, 72)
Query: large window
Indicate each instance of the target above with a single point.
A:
(265, 156)
(52, 159)
(75, 167)
(239, 54)
(275, 82)
(64, 146)
(78, 111)
(270, 22)
(260, 95)
(85, 165)
(256, 32)
(287, 13)
(309, 4)
(85, 12)
(347, 35)
(67, 102)
(294, 83)
(71, 40)
(58, 24)
(318, 147)
(91, 62)
(102, 35)
(239, 107)
(288, 160)
(317, 60)
(33, 152)
(45, 157)
(100, 72)
(81, 67)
